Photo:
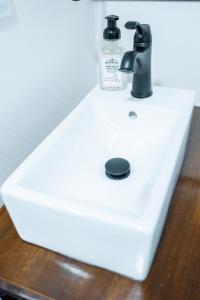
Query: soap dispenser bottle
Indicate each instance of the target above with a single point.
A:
(111, 79)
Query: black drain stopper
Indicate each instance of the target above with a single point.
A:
(117, 168)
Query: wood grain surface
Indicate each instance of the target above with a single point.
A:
(31, 272)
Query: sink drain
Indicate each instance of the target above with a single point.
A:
(117, 168)
(132, 115)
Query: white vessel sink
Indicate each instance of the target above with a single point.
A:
(61, 199)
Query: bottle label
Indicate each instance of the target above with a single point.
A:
(112, 77)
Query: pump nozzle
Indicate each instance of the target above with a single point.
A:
(112, 32)
(112, 21)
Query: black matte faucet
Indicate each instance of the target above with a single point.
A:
(138, 61)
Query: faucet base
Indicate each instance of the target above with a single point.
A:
(142, 96)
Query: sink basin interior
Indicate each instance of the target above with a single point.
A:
(75, 171)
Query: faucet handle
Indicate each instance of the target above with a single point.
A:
(131, 25)
(143, 31)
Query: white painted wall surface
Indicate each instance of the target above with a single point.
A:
(48, 63)
(176, 38)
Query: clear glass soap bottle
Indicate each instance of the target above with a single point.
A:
(111, 79)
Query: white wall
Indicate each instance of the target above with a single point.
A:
(176, 38)
(47, 64)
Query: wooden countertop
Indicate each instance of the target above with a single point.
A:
(31, 272)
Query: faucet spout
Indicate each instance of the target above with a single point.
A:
(128, 62)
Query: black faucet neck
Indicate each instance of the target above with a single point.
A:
(141, 86)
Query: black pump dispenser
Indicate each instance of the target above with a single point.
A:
(112, 32)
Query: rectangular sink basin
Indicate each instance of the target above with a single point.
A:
(60, 197)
